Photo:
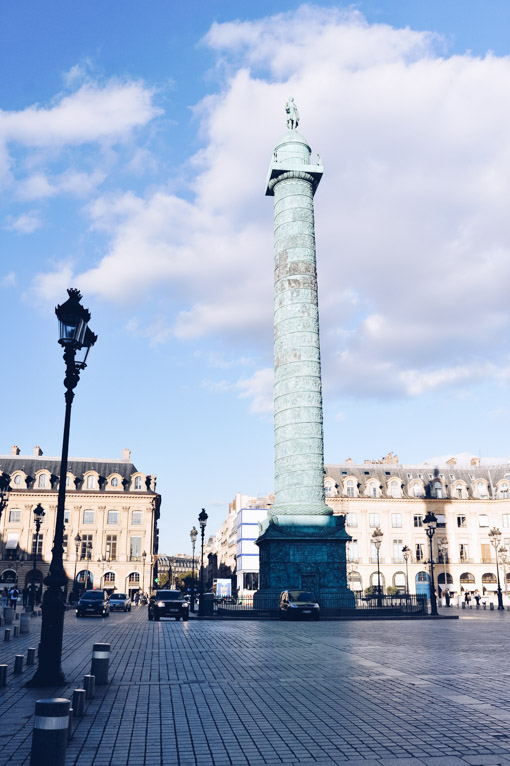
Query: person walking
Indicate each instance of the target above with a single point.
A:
(477, 598)
(13, 596)
(25, 593)
(447, 597)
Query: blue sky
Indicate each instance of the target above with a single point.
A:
(134, 144)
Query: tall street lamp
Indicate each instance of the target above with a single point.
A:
(4, 492)
(377, 537)
(38, 515)
(503, 557)
(193, 537)
(202, 520)
(495, 538)
(75, 336)
(442, 546)
(144, 556)
(77, 541)
(430, 522)
(407, 555)
(88, 556)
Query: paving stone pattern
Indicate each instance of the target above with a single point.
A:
(255, 693)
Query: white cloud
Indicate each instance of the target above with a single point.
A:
(259, 389)
(26, 223)
(412, 224)
(8, 280)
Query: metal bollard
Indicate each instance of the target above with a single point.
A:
(7, 634)
(100, 663)
(78, 702)
(89, 684)
(463, 604)
(16, 616)
(49, 738)
(18, 663)
(70, 725)
(31, 656)
(491, 606)
(3, 675)
(15, 631)
(24, 623)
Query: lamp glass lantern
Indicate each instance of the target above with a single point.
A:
(202, 519)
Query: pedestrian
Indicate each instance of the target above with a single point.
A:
(13, 595)
(5, 598)
(24, 593)
(447, 597)
(477, 598)
(136, 597)
(38, 595)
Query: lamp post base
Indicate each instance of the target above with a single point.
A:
(49, 672)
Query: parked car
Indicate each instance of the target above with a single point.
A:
(120, 602)
(93, 603)
(168, 603)
(298, 603)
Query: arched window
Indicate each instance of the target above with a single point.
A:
(17, 479)
(109, 577)
(373, 490)
(374, 579)
(438, 489)
(449, 578)
(354, 581)
(488, 577)
(329, 490)
(115, 482)
(350, 489)
(42, 480)
(481, 489)
(91, 482)
(134, 578)
(418, 489)
(399, 580)
(466, 577)
(503, 490)
(395, 489)
(422, 577)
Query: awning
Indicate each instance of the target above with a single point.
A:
(12, 542)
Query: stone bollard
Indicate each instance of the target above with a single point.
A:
(78, 702)
(15, 631)
(463, 604)
(16, 616)
(18, 664)
(89, 684)
(70, 725)
(491, 606)
(31, 656)
(24, 623)
(51, 726)
(7, 634)
(100, 663)
(3, 675)
(8, 615)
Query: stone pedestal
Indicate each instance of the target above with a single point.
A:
(304, 553)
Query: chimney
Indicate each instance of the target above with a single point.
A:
(14, 449)
(451, 461)
(126, 454)
(37, 451)
(349, 460)
(475, 461)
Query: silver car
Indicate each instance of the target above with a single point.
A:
(120, 602)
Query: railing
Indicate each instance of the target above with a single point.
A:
(350, 604)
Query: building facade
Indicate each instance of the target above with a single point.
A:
(468, 501)
(111, 521)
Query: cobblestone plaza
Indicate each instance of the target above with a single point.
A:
(246, 692)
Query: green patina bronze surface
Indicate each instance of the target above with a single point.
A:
(302, 545)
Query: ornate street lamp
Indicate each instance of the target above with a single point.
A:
(88, 556)
(407, 556)
(202, 520)
(495, 538)
(77, 541)
(503, 557)
(442, 546)
(4, 492)
(38, 515)
(193, 537)
(144, 556)
(75, 336)
(430, 522)
(377, 537)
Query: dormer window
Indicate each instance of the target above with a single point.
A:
(114, 482)
(417, 490)
(395, 490)
(91, 482)
(504, 490)
(138, 482)
(372, 490)
(481, 489)
(17, 479)
(438, 490)
(41, 482)
(350, 489)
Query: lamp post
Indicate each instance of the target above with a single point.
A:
(407, 555)
(495, 538)
(442, 545)
(503, 556)
(77, 541)
(88, 556)
(75, 336)
(377, 537)
(430, 523)
(4, 492)
(38, 515)
(202, 520)
(144, 556)
(193, 537)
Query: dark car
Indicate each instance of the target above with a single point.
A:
(168, 603)
(93, 603)
(120, 602)
(298, 603)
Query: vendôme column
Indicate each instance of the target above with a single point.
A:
(301, 544)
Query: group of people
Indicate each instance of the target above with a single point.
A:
(11, 595)
(140, 599)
